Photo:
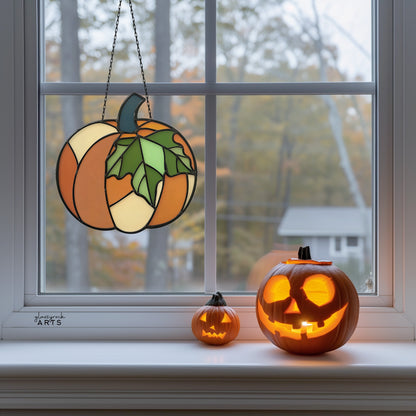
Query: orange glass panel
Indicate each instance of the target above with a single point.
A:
(67, 169)
(89, 191)
(172, 200)
(117, 188)
(155, 125)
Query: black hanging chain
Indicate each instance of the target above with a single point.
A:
(140, 59)
(112, 59)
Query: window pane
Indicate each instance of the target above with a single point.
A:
(294, 41)
(80, 259)
(89, 33)
(293, 170)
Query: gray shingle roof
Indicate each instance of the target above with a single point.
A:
(325, 221)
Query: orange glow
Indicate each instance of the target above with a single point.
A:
(277, 288)
(220, 335)
(203, 318)
(310, 329)
(293, 307)
(319, 289)
(226, 319)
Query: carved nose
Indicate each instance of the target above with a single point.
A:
(212, 327)
(293, 307)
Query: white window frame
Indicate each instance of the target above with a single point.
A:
(385, 316)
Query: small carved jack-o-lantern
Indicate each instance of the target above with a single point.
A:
(307, 307)
(215, 323)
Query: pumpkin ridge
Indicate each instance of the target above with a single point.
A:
(161, 216)
(89, 186)
(65, 188)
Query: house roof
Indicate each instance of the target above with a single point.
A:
(325, 221)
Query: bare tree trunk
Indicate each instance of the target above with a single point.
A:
(157, 267)
(363, 125)
(76, 233)
(335, 122)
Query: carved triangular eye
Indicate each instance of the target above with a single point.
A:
(203, 318)
(226, 319)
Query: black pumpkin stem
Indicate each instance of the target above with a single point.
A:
(217, 300)
(304, 253)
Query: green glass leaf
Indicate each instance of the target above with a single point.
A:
(147, 160)
(126, 141)
(153, 154)
(138, 177)
(113, 162)
(115, 169)
(131, 159)
(186, 161)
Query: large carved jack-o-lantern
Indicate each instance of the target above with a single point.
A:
(307, 307)
(215, 323)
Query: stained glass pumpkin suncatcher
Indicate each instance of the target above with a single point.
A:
(126, 174)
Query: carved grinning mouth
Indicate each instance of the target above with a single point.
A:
(310, 329)
(213, 334)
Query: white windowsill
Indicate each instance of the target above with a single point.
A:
(190, 375)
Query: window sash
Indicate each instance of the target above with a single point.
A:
(210, 89)
(20, 214)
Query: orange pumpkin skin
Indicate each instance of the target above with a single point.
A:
(215, 323)
(300, 319)
(82, 188)
(92, 197)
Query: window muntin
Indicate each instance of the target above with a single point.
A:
(241, 90)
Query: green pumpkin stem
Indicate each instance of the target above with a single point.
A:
(304, 253)
(127, 116)
(217, 300)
